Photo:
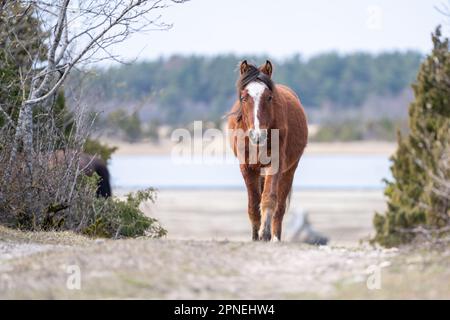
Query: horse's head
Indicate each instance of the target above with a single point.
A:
(256, 93)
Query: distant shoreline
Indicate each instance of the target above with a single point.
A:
(165, 147)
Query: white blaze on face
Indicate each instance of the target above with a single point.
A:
(255, 90)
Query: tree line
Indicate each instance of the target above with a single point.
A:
(184, 88)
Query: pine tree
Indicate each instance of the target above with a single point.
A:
(419, 195)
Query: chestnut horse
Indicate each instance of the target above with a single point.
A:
(264, 107)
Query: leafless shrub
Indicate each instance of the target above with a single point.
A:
(44, 40)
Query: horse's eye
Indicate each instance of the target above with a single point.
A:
(243, 98)
(269, 98)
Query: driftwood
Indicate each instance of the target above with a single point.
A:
(301, 230)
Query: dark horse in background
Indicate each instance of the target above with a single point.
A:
(262, 107)
(89, 165)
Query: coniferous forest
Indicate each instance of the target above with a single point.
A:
(183, 88)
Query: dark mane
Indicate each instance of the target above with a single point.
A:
(252, 74)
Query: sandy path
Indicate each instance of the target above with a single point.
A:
(187, 269)
(39, 265)
(180, 269)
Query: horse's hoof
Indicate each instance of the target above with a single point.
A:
(275, 239)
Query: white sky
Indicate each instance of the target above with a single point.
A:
(281, 28)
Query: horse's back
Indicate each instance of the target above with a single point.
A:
(88, 164)
(297, 128)
(288, 91)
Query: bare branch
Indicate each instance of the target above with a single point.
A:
(7, 117)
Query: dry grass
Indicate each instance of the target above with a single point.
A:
(163, 269)
(52, 238)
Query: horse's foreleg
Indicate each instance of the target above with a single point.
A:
(268, 205)
(284, 188)
(252, 182)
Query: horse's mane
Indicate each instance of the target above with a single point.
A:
(251, 74)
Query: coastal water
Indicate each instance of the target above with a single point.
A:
(314, 172)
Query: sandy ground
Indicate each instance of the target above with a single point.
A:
(207, 255)
(183, 269)
(343, 216)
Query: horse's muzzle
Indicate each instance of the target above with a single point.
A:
(258, 137)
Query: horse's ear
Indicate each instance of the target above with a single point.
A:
(267, 68)
(243, 67)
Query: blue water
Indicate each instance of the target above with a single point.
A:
(314, 172)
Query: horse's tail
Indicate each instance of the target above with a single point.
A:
(104, 186)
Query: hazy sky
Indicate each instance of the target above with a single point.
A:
(280, 28)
